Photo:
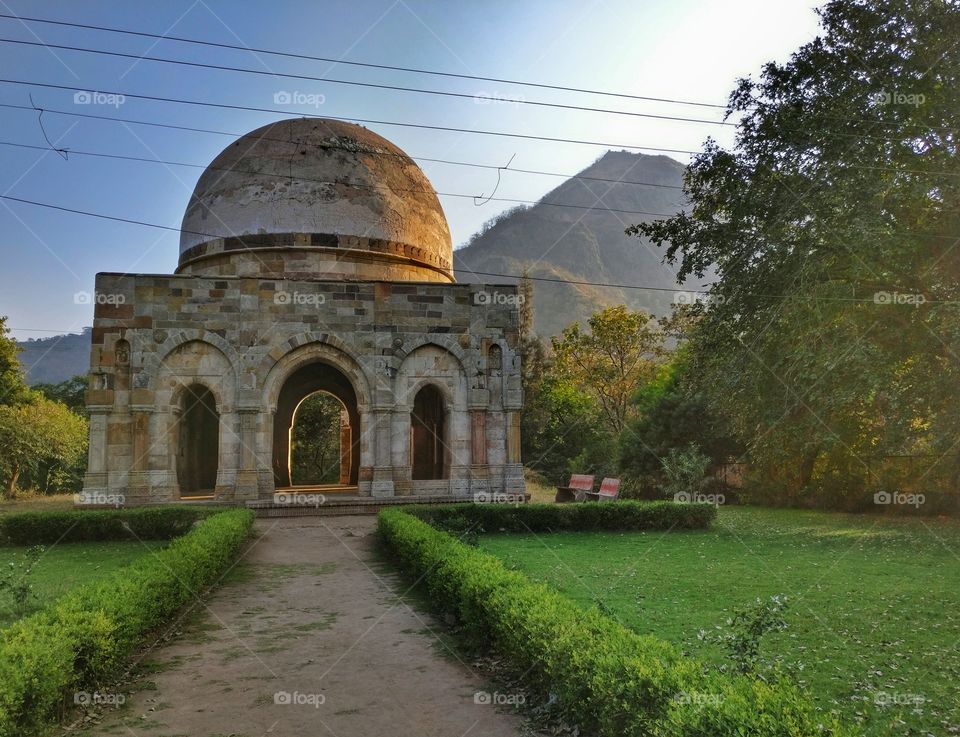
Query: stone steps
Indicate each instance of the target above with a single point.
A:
(342, 504)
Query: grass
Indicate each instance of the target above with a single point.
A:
(68, 565)
(874, 603)
(26, 502)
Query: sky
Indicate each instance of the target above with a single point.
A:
(679, 49)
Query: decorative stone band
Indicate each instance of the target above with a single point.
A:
(222, 246)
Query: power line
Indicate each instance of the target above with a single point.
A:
(163, 37)
(412, 70)
(352, 83)
(475, 131)
(285, 140)
(679, 289)
(193, 129)
(143, 159)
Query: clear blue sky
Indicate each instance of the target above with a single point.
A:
(662, 48)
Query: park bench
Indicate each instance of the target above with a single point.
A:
(578, 488)
(608, 491)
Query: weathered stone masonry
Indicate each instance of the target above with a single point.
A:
(314, 256)
(243, 337)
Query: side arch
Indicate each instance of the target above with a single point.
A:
(154, 359)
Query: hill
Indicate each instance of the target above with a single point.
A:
(56, 359)
(580, 244)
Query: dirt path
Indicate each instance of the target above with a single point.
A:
(309, 617)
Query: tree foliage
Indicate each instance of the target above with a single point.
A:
(316, 440)
(38, 432)
(71, 392)
(13, 388)
(620, 352)
(830, 339)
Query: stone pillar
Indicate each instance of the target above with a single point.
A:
(95, 481)
(513, 481)
(400, 451)
(247, 484)
(138, 484)
(479, 470)
(346, 447)
(379, 424)
(478, 437)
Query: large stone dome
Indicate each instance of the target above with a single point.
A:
(315, 198)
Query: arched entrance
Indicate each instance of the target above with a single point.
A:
(198, 442)
(320, 442)
(427, 435)
(300, 385)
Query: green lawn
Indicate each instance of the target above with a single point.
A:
(68, 565)
(874, 603)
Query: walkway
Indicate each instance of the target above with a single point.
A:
(307, 636)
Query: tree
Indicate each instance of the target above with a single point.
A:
(562, 431)
(671, 417)
(71, 392)
(620, 352)
(13, 388)
(830, 337)
(316, 440)
(36, 432)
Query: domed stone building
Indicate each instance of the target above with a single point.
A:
(314, 257)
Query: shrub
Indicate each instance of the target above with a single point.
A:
(158, 523)
(684, 470)
(80, 641)
(611, 516)
(603, 676)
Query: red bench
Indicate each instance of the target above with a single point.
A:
(580, 485)
(608, 491)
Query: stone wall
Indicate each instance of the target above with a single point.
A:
(242, 338)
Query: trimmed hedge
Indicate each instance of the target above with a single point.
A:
(155, 523)
(82, 640)
(610, 516)
(607, 678)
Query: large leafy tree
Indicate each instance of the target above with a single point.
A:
(832, 336)
(38, 432)
(620, 351)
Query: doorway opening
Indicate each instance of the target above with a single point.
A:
(198, 448)
(320, 442)
(427, 435)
